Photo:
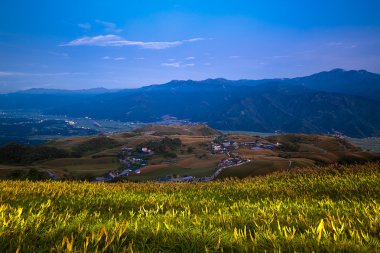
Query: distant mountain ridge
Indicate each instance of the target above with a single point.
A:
(98, 90)
(345, 101)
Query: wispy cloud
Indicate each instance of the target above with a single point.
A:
(112, 40)
(86, 26)
(113, 58)
(177, 64)
(279, 57)
(3, 73)
(334, 44)
(340, 44)
(63, 55)
(234, 57)
(140, 58)
(109, 26)
(190, 58)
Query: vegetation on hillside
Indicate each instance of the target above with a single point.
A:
(15, 153)
(165, 147)
(322, 209)
(94, 145)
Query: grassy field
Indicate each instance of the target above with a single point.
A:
(83, 166)
(321, 209)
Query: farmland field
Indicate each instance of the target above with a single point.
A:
(333, 208)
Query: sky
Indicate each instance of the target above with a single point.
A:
(127, 43)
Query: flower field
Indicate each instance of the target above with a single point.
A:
(325, 209)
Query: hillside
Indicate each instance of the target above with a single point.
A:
(358, 83)
(338, 100)
(171, 153)
(333, 209)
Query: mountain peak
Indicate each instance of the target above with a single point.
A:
(337, 70)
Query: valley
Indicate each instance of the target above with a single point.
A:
(178, 153)
(323, 103)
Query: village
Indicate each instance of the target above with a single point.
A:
(132, 160)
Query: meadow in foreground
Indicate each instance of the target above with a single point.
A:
(325, 209)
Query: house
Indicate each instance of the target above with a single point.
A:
(229, 162)
(230, 144)
(102, 179)
(124, 172)
(216, 147)
(226, 144)
(269, 146)
(187, 179)
(250, 144)
(146, 151)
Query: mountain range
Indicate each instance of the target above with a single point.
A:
(336, 100)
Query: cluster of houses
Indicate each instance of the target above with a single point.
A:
(230, 162)
(111, 176)
(132, 160)
(257, 145)
(221, 145)
(338, 135)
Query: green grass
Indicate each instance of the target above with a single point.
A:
(322, 210)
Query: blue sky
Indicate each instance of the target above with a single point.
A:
(125, 44)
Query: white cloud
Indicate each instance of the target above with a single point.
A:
(86, 26)
(177, 64)
(172, 64)
(109, 27)
(140, 58)
(340, 45)
(112, 40)
(113, 58)
(190, 58)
